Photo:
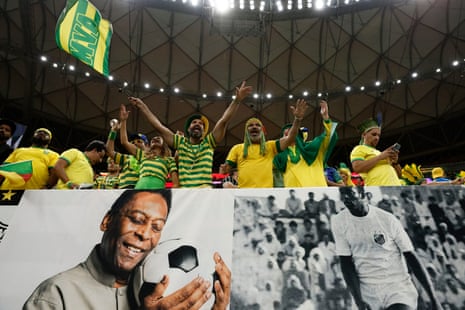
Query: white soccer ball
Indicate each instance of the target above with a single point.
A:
(177, 258)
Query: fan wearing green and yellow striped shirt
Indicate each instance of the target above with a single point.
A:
(130, 166)
(156, 162)
(195, 148)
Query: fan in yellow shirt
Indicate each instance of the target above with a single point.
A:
(302, 163)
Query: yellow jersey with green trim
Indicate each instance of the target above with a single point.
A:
(255, 170)
(79, 169)
(382, 174)
(43, 160)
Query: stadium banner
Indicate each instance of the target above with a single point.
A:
(49, 231)
(278, 241)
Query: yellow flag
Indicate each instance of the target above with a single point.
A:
(82, 32)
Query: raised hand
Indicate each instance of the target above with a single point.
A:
(137, 102)
(324, 109)
(299, 109)
(123, 113)
(243, 91)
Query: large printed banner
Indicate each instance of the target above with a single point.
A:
(277, 242)
(51, 231)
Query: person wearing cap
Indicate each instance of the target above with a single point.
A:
(156, 162)
(7, 129)
(440, 178)
(74, 168)
(254, 158)
(375, 167)
(303, 162)
(43, 159)
(130, 166)
(195, 149)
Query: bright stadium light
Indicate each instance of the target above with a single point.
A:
(252, 4)
(221, 6)
(319, 4)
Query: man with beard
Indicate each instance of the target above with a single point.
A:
(131, 230)
(374, 252)
(156, 162)
(43, 159)
(195, 149)
(7, 129)
(254, 158)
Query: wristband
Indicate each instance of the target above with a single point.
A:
(112, 135)
(236, 101)
(69, 184)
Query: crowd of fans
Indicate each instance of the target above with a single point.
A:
(293, 160)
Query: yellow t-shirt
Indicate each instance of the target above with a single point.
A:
(79, 169)
(255, 170)
(42, 161)
(303, 175)
(382, 174)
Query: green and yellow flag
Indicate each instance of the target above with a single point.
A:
(15, 175)
(82, 32)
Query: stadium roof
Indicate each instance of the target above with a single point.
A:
(399, 61)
